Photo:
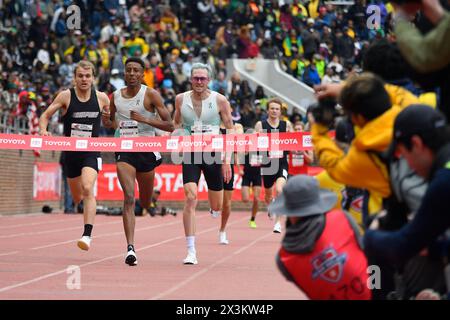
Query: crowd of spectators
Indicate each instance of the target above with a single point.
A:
(315, 42)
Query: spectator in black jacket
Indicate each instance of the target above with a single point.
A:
(309, 40)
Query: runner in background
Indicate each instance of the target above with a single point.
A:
(251, 178)
(228, 187)
(299, 160)
(274, 169)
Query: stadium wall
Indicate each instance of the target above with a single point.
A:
(16, 181)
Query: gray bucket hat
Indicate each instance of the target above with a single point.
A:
(302, 197)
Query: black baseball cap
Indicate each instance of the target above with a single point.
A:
(416, 119)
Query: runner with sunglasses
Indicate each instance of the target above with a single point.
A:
(199, 112)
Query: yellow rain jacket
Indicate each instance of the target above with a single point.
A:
(356, 211)
(361, 167)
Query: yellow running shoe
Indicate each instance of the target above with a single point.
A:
(252, 224)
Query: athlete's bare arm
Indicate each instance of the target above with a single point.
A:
(103, 100)
(258, 127)
(62, 100)
(109, 114)
(177, 115)
(152, 97)
(309, 156)
(225, 112)
(289, 127)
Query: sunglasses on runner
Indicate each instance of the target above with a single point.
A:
(200, 79)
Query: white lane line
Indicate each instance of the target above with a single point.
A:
(201, 272)
(38, 223)
(99, 236)
(8, 236)
(8, 253)
(105, 235)
(46, 276)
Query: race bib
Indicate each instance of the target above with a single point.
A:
(255, 160)
(276, 154)
(298, 160)
(81, 130)
(200, 128)
(128, 128)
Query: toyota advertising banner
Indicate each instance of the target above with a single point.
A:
(47, 181)
(168, 179)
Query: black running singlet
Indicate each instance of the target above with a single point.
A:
(275, 155)
(82, 119)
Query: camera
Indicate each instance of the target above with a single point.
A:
(325, 111)
(165, 210)
(153, 211)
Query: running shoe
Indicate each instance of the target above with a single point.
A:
(131, 258)
(223, 238)
(252, 224)
(214, 214)
(84, 243)
(277, 228)
(190, 258)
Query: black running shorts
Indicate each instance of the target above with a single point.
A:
(269, 180)
(195, 163)
(74, 162)
(141, 161)
(251, 177)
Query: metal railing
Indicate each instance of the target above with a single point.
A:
(19, 124)
(275, 82)
(15, 125)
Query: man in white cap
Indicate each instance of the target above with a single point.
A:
(115, 80)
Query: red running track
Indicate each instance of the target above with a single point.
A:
(37, 250)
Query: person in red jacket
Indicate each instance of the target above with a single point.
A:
(321, 250)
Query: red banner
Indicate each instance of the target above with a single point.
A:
(46, 181)
(168, 179)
